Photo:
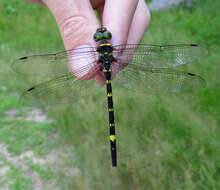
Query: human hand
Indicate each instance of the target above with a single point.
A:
(127, 20)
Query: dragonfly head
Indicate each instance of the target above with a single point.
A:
(102, 34)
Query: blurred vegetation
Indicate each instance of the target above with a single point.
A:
(164, 142)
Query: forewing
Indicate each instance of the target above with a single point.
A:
(158, 81)
(64, 89)
(53, 64)
(156, 57)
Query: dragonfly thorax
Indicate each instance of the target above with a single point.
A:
(105, 46)
(105, 54)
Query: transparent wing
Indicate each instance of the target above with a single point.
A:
(54, 64)
(64, 89)
(154, 56)
(149, 56)
(157, 81)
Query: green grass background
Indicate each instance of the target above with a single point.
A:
(164, 142)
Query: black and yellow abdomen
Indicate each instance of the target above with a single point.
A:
(106, 58)
(111, 122)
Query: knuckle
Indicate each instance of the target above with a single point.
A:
(72, 27)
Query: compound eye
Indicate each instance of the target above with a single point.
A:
(98, 36)
(107, 35)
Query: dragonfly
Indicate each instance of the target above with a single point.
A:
(137, 67)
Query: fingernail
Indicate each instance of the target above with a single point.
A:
(81, 60)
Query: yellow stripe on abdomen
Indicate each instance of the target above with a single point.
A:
(111, 125)
(112, 138)
(108, 81)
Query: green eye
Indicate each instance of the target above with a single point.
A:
(98, 36)
(107, 35)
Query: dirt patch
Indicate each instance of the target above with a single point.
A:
(38, 184)
(53, 161)
(36, 115)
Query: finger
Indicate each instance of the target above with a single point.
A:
(77, 23)
(117, 17)
(138, 27)
(139, 23)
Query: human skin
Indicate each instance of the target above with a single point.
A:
(127, 20)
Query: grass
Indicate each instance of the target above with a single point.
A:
(164, 142)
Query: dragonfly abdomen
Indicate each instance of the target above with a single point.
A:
(111, 117)
(106, 58)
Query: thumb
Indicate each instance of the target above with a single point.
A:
(77, 23)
